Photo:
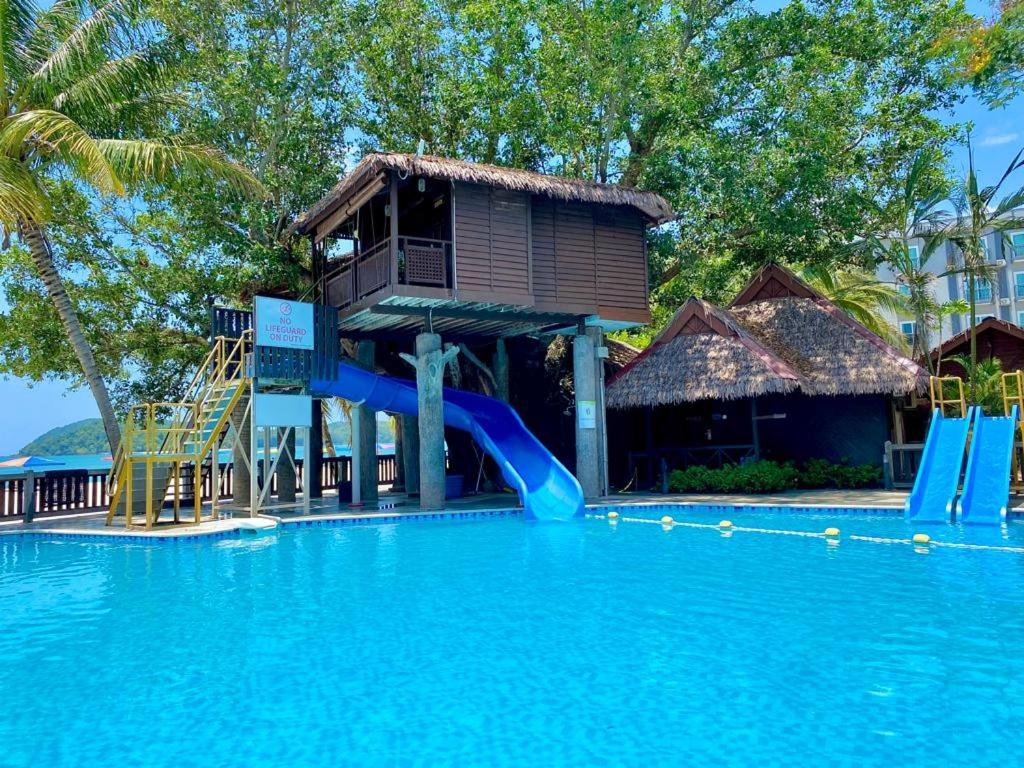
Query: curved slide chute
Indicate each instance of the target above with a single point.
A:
(547, 489)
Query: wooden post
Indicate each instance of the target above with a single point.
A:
(411, 454)
(430, 363)
(754, 433)
(398, 486)
(500, 370)
(28, 497)
(367, 446)
(312, 482)
(393, 231)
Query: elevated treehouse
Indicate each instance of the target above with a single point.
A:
(476, 251)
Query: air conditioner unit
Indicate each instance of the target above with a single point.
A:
(1000, 262)
(1004, 302)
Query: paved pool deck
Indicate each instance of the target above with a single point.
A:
(392, 508)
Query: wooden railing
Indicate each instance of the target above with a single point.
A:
(422, 261)
(87, 491)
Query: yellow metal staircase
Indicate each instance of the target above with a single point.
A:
(159, 439)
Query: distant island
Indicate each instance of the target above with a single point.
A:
(87, 437)
(78, 438)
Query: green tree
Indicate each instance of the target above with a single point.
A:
(75, 89)
(861, 295)
(270, 83)
(979, 210)
(915, 215)
(995, 62)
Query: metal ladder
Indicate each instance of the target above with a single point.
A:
(159, 439)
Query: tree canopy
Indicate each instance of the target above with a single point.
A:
(778, 135)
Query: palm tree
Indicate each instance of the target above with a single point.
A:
(977, 213)
(916, 212)
(79, 84)
(860, 295)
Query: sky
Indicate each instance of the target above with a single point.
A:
(30, 409)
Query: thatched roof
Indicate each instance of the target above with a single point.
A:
(781, 337)
(654, 207)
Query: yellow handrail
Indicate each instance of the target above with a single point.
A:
(173, 431)
(937, 386)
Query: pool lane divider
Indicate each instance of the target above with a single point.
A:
(920, 541)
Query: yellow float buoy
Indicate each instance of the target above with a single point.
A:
(831, 532)
(613, 515)
(725, 524)
(667, 520)
(922, 538)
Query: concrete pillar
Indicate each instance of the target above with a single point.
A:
(430, 363)
(588, 381)
(241, 480)
(499, 367)
(367, 445)
(314, 454)
(286, 480)
(411, 454)
(357, 470)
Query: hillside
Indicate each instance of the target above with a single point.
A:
(341, 430)
(79, 437)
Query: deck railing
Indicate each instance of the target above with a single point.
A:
(87, 491)
(422, 261)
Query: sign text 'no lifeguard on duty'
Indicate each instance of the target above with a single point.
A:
(283, 323)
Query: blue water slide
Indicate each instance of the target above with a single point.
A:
(547, 489)
(938, 476)
(987, 479)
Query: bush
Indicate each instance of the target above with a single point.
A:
(772, 477)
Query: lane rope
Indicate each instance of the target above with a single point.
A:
(830, 534)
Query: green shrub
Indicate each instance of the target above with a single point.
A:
(772, 477)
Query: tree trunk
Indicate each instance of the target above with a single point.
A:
(972, 374)
(42, 256)
(328, 440)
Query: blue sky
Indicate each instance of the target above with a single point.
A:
(31, 409)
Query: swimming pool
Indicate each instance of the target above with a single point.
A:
(499, 642)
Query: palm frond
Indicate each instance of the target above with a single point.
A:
(138, 161)
(21, 197)
(85, 40)
(16, 20)
(46, 133)
(113, 82)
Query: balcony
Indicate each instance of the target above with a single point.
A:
(418, 262)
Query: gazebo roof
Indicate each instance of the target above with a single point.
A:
(778, 336)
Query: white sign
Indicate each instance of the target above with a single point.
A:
(283, 323)
(283, 411)
(586, 414)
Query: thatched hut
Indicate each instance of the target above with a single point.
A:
(781, 373)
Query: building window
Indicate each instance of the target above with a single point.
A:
(1020, 319)
(1018, 284)
(905, 289)
(908, 328)
(1017, 246)
(915, 256)
(982, 290)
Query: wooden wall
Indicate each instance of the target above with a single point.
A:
(492, 241)
(558, 256)
(590, 259)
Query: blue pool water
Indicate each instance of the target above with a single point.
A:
(499, 642)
